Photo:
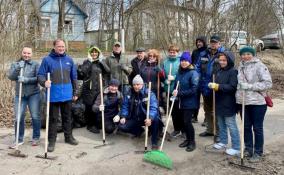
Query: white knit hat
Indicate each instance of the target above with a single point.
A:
(137, 80)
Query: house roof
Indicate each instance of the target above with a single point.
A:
(72, 3)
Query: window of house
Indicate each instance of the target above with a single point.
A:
(45, 26)
(148, 34)
(68, 26)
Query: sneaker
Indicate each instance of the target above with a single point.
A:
(35, 142)
(232, 152)
(176, 133)
(247, 154)
(219, 146)
(14, 145)
(255, 158)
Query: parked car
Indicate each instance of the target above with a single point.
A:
(235, 40)
(272, 41)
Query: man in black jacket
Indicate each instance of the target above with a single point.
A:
(138, 63)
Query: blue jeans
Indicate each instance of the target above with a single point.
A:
(135, 127)
(225, 123)
(254, 117)
(33, 102)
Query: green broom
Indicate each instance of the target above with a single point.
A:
(158, 157)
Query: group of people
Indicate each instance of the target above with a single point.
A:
(125, 94)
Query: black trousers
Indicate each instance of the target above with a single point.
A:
(177, 117)
(187, 115)
(109, 124)
(65, 109)
(91, 117)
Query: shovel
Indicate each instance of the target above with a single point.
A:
(103, 116)
(45, 156)
(242, 164)
(147, 117)
(17, 152)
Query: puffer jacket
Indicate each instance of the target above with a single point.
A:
(115, 63)
(63, 74)
(187, 91)
(206, 66)
(112, 103)
(166, 67)
(30, 71)
(89, 72)
(134, 105)
(257, 74)
(225, 96)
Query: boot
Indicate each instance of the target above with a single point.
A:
(184, 144)
(71, 140)
(191, 147)
(51, 146)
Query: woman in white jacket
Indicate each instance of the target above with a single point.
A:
(254, 79)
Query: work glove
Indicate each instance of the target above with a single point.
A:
(213, 86)
(102, 107)
(173, 98)
(22, 79)
(116, 119)
(245, 86)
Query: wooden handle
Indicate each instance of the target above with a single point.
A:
(242, 126)
(168, 121)
(19, 109)
(214, 110)
(102, 103)
(169, 87)
(47, 114)
(147, 116)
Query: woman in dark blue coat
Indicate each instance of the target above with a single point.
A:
(226, 109)
(187, 94)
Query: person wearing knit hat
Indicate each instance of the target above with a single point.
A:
(137, 80)
(187, 97)
(254, 80)
(89, 72)
(112, 101)
(247, 50)
(186, 57)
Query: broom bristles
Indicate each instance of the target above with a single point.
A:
(158, 158)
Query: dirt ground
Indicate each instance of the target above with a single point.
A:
(120, 158)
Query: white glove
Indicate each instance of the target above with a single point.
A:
(245, 86)
(116, 119)
(102, 107)
(173, 98)
(171, 78)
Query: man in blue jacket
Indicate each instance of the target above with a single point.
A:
(63, 88)
(206, 67)
(134, 109)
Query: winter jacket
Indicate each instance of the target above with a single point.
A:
(89, 72)
(199, 52)
(150, 73)
(134, 105)
(166, 67)
(136, 68)
(188, 84)
(257, 74)
(30, 71)
(63, 75)
(206, 66)
(119, 68)
(112, 103)
(227, 80)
